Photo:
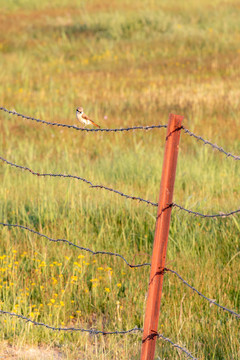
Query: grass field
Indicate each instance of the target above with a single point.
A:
(127, 63)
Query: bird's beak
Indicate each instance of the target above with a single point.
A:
(76, 109)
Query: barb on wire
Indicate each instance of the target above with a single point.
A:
(79, 178)
(223, 215)
(72, 244)
(176, 346)
(82, 129)
(214, 146)
(90, 331)
(200, 294)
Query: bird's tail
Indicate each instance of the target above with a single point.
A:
(96, 124)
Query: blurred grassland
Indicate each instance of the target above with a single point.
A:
(127, 63)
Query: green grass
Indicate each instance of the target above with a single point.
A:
(134, 66)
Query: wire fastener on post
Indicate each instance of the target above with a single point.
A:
(161, 237)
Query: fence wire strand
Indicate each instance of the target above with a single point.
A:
(74, 245)
(93, 331)
(78, 178)
(90, 331)
(177, 346)
(206, 142)
(211, 301)
(223, 215)
(83, 129)
(214, 146)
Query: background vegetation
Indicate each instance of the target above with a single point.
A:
(127, 63)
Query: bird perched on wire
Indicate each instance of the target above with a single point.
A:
(84, 118)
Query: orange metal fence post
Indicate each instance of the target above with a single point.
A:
(161, 237)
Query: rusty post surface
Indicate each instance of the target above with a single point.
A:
(161, 237)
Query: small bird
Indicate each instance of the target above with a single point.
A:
(84, 118)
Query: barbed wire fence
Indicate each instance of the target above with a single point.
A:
(165, 270)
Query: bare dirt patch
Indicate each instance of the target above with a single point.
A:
(8, 352)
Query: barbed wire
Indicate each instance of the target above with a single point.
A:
(81, 179)
(223, 215)
(83, 129)
(74, 245)
(116, 255)
(200, 294)
(93, 331)
(214, 146)
(206, 142)
(176, 346)
(116, 191)
(90, 331)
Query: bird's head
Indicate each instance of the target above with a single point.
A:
(79, 109)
